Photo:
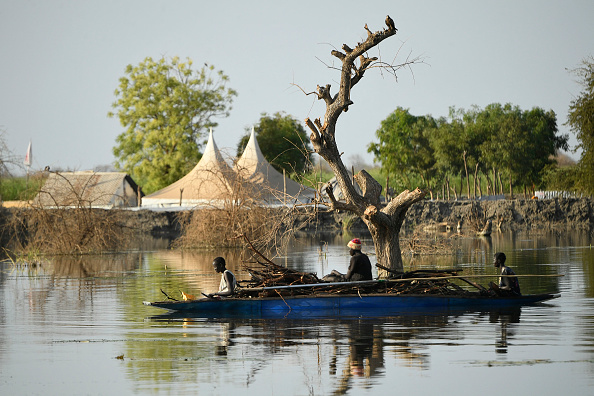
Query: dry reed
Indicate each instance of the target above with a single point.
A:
(53, 225)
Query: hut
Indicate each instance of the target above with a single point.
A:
(88, 189)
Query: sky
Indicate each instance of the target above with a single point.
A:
(60, 62)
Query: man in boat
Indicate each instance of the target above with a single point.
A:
(360, 266)
(508, 285)
(228, 281)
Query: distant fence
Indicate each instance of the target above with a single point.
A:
(556, 194)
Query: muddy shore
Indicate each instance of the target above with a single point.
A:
(515, 215)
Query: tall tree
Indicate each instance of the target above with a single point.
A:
(166, 108)
(522, 142)
(384, 222)
(581, 121)
(449, 142)
(403, 148)
(283, 141)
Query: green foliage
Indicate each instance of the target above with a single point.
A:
(313, 178)
(502, 138)
(403, 148)
(562, 179)
(166, 108)
(581, 121)
(19, 188)
(283, 141)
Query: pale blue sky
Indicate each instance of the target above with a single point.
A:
(60, 62)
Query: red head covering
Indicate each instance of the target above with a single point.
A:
(355, 244)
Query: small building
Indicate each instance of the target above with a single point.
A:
(88, 189)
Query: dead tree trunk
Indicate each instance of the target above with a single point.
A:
(384, 222)
(466, 170)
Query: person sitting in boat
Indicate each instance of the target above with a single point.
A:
(507, 284)
(360, 266)
(228, 281)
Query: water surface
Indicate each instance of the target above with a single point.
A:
(77, 326)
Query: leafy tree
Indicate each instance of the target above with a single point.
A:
(522, 142)
(456, 144)
(543, 144)
(498, 137)
(166, 108)
(403, 149)
(283, 142)
(581, 121)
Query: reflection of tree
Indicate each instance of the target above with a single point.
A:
(365, 358)
(353, 349)
(73, 281)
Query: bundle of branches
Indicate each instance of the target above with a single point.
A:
(271, 274)
(419, 285)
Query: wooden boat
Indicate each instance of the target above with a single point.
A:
(339, 304)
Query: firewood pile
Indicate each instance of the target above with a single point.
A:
(268, 275)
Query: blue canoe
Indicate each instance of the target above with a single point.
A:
(344, 304)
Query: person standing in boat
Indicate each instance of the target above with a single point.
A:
(228, 281)
(359, 266)
(508, 284)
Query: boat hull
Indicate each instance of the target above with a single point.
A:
(368, 304)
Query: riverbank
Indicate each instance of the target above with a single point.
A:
(515, 215)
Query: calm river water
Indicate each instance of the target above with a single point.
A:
(77, 326)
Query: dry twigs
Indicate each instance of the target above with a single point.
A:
(271, 280)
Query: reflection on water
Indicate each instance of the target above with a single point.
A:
(78, 326)
(504, 318)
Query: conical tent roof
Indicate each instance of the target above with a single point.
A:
(211, 179)
(272, 185)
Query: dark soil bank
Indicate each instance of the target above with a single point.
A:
(512, 214)
(516, 215)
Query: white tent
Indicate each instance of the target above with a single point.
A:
(268, 184)
(210, 182)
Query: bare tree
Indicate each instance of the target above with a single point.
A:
(384, 222)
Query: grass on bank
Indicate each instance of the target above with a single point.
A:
(20, 188)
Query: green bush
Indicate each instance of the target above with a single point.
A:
(20, 188)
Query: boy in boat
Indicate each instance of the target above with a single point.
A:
(228, 281)
(508, 285)
(360, 266)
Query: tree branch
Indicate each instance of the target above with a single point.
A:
(369, 186)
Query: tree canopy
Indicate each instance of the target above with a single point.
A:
(283, 141)
(407, 135)
(581, 121)
(167, 108)
(499, 138)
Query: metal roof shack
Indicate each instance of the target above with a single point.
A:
(88, 189)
